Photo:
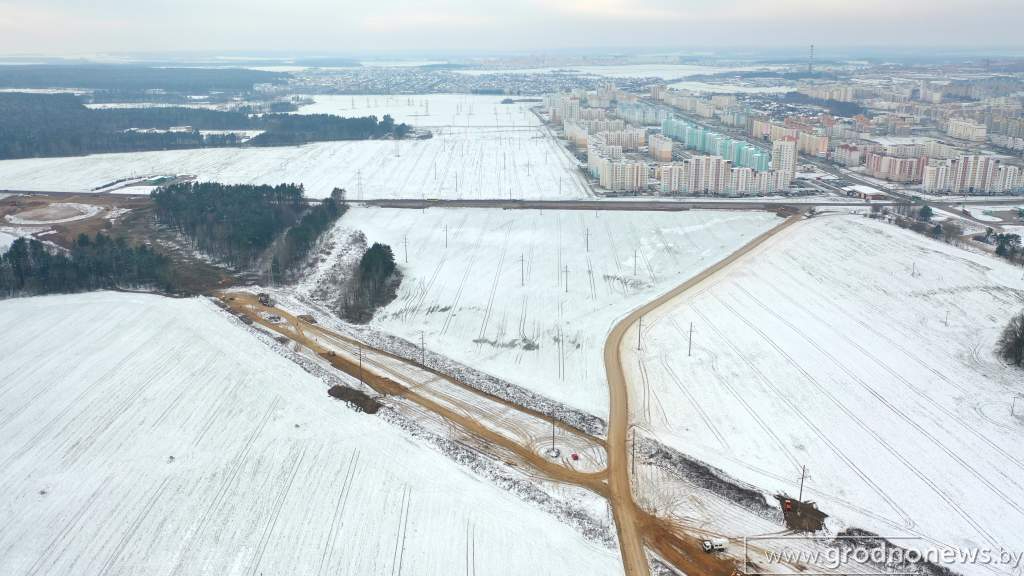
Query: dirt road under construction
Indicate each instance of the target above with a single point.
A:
(634, 535)
(514, 433)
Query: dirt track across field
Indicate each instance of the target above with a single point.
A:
(636, 528)
(403, 380)
(397, 377)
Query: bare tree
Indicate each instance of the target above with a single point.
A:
(1011, 343)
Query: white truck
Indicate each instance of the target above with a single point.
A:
(714, 545)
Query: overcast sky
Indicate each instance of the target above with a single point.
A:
(65, 27)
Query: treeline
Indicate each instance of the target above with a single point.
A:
(122, 77)
(375, 284)
(234, 223)
(29, 268)
(302, 237)
(292, 129)
(36, 125)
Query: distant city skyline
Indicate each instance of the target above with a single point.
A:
(66, 28)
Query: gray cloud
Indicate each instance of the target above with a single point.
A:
(346, 26)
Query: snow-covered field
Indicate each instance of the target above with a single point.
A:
(517, 158)
(495, 298)
(143, 435)
(864, 352)
(6, 239)
(430, 110)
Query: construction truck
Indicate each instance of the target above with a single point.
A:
(714, 545)
(264, 299)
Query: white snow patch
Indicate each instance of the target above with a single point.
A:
(56, 213)
(864, 352)
(160, 437)
(495, 298)
(430, 110)
(474, 163)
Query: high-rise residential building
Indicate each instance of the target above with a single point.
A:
(703, 140)
(576, 133)
(841, 92)
(973, 174)
(966, 130)
(935, 177)
(764, 130)
(812, 144)
(894, 168)
(624, 175)
(660, 147)
(630, 139)
(711, 175)
(847, 155)
(784, 156)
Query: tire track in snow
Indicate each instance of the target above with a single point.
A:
(268, 529)
(703, 415)
(222, 491)
(494, 284)
(917, 359)
(885, 401)
(133, 528)
(878, 437)
(58, 542)
(462, 283)
(339, 510)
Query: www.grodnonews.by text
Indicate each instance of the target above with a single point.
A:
(890, 555)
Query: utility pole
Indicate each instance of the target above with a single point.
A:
(566, 278)
(689, 346)
(522, 270)
(405, 242)
(803, 474)
(445, 235)
(586, 233)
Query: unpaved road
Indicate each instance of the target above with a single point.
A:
(375, 371)
(635, 527)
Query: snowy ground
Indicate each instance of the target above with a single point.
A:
(56, 213)
(6, 239)
(430, 110)
(495, 298)
(161, 438)
(830, 347)
(459, 163)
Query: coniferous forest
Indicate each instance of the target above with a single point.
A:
(29, 268)
(38, 125)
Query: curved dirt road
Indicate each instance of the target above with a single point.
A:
(629, 520)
